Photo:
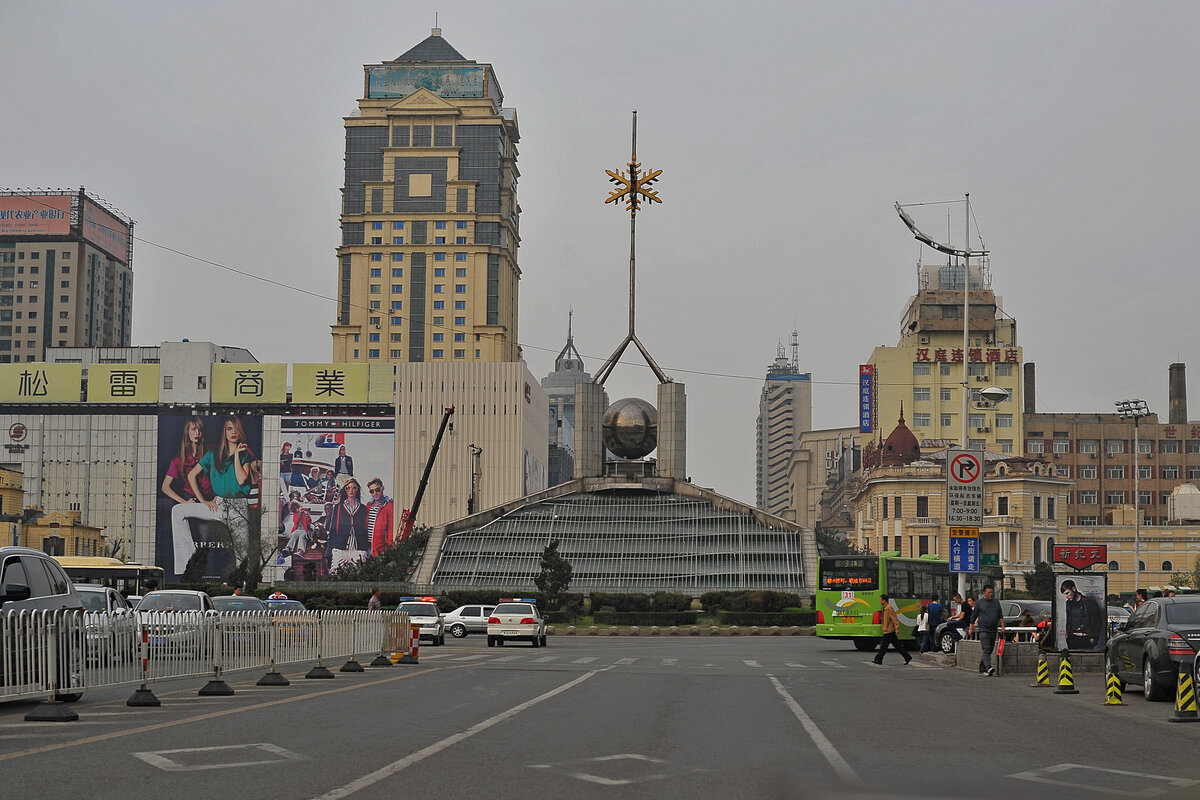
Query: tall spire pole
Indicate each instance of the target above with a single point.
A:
(634, 188)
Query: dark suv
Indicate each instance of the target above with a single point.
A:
(30, 580)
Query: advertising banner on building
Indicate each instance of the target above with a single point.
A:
(40, 383)
(335, 504)
(123, 383)
(106, 230)
(249, 383)
(35, 215)
(329, 383)
(209, 483)
(1080, 612)
(866, 398)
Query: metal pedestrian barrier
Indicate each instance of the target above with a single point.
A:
(56, 656)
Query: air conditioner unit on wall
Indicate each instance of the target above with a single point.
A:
(1093, 455)
(924, 340)
(1149, 455)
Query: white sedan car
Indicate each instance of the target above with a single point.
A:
(517, 620)
(425, 613)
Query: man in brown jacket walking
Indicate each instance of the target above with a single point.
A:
(891, 627)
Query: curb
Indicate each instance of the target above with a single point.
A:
(675, 630)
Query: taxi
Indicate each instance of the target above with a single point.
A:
(424, 612)
(516, 619)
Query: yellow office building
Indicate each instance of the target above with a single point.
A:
(923, 373)
(427, 267)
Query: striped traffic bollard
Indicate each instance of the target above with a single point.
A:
(1112, 694)
(143, 697)
(1066, 678)
(1185, 696)
(1043, 671)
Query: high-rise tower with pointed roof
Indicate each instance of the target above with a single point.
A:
(427, 267)
(560, 389)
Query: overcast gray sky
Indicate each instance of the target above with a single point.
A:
(785, 132)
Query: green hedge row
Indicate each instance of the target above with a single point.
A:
(629, 603)
(784, 619)
(661, 618)
(764, 601)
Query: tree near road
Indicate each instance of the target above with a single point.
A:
(555, 577)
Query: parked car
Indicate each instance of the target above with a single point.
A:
(176, 619)
(517, 620)
(110, 624)
(243, 618)
(468, 619)
(1013, 610)
(30, 580)
(1150, 645)
(1116, 616)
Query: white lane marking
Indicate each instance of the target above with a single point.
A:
(670, 662)
(836, 664)
(378, 775)
(509, 658)
(574, 769)
(826, 747)
(587, 660)
(801, 666)
(469, 658)
(751, 663)
(626, 661)
(1149, 791)
(544, 659)
(159, 758)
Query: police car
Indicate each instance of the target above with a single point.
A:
(516, 618)
(424, 612)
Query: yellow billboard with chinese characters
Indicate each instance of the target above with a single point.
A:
(249, 383)
(40, 383)
(123, 383)
(329, 383)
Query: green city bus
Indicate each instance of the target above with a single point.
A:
(848, 589)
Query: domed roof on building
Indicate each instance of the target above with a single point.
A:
(901, 446)
(434, 48)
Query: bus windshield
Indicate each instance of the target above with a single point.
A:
(857, 574)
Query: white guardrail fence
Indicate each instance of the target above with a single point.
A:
(46, 654)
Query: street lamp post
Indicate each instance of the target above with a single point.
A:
(1135, 410)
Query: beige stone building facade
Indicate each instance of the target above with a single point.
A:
(923, 373)
(427, 267)
(499, 408)
(902, 507)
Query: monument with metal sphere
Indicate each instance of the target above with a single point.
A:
(630, 519)
(630, 428)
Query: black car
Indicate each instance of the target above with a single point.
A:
(1149, 646)
(30, 580)
(944, 638)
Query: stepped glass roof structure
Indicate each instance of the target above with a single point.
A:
(624, 536)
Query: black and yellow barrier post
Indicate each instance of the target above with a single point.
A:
(1112, 694)
(1185, 695)
(1043, 671)
(1066, 678)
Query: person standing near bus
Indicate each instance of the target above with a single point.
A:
(890, 627)
(988, 616)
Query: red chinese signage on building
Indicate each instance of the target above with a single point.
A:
(1080, 557)
(974, 354)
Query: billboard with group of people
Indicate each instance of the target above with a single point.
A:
(334, 508)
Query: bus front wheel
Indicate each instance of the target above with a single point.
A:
(865, 645)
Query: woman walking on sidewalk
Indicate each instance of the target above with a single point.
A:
(891, 627)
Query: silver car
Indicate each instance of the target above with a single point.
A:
(468, 619)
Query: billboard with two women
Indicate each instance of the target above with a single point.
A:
(209, 496)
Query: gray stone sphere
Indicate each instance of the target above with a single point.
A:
(630, 428)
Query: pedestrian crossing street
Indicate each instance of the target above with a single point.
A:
(539, 657)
